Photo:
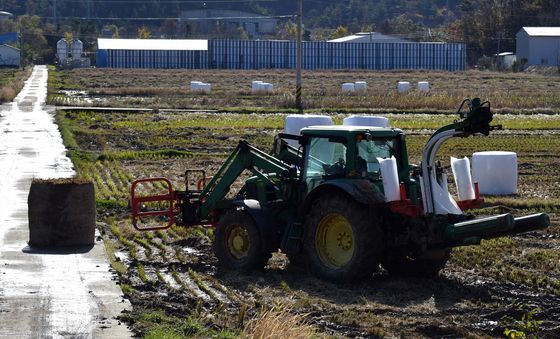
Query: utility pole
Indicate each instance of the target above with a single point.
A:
(54, 12)
(299, 105)
(88, 9)
(21, 45)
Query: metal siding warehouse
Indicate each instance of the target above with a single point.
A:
(539, 45)
(9, 56)
(265, 54)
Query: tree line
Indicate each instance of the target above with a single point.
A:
(487, 27)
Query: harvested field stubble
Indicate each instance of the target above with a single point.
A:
(172, 280)
(231, 90)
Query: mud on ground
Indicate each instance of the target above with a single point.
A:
(182, 277)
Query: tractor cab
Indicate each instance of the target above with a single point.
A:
(350, 152)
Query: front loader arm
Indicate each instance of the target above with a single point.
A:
(196, 205)
(244, 157)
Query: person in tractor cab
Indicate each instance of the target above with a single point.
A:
(361, 166)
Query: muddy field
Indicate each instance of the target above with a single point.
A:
(177, 290)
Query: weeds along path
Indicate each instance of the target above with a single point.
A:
(175, 287)
(12, 81)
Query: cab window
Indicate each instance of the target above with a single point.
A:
(325, 157)
(369, 151)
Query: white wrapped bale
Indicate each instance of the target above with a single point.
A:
(360, 86)
(462, 173)
(443, 201)
(261, 87)
(366, 120)
(195, 85)
(390, 178)
(296, 122)
(256, 86)
(205, 88)
(423, 86)
(348, 87)
(200, 87)
(495, 172)
(403, 86)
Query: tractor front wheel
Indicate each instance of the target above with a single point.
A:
(238, 244)
(343, 239)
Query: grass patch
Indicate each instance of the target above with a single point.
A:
(278, 323)
(157, 324)
(65, 131)
(494, 258)
(110, 204)
(116, 264)
(12, 81)
(142, 274)
(198, 281)
(127, 290)
(145, 244)
(142, 155)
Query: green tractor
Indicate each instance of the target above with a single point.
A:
(324, 203)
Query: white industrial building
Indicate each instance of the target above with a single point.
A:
(152, 53)
(539, 45)
(270, 54)
(9, 56)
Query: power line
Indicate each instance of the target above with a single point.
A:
(172, 1)
(224, 18)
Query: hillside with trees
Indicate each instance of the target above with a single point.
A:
(487, 27)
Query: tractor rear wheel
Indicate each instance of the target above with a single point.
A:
(343, 239)
(238, 243)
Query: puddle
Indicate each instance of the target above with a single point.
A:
(78, 97)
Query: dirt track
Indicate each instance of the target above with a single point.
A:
(55, 292)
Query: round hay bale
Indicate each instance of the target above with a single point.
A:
(61, 213)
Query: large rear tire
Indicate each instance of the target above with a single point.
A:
(343, 239)
(238, 243)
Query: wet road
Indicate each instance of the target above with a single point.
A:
(45, 295)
